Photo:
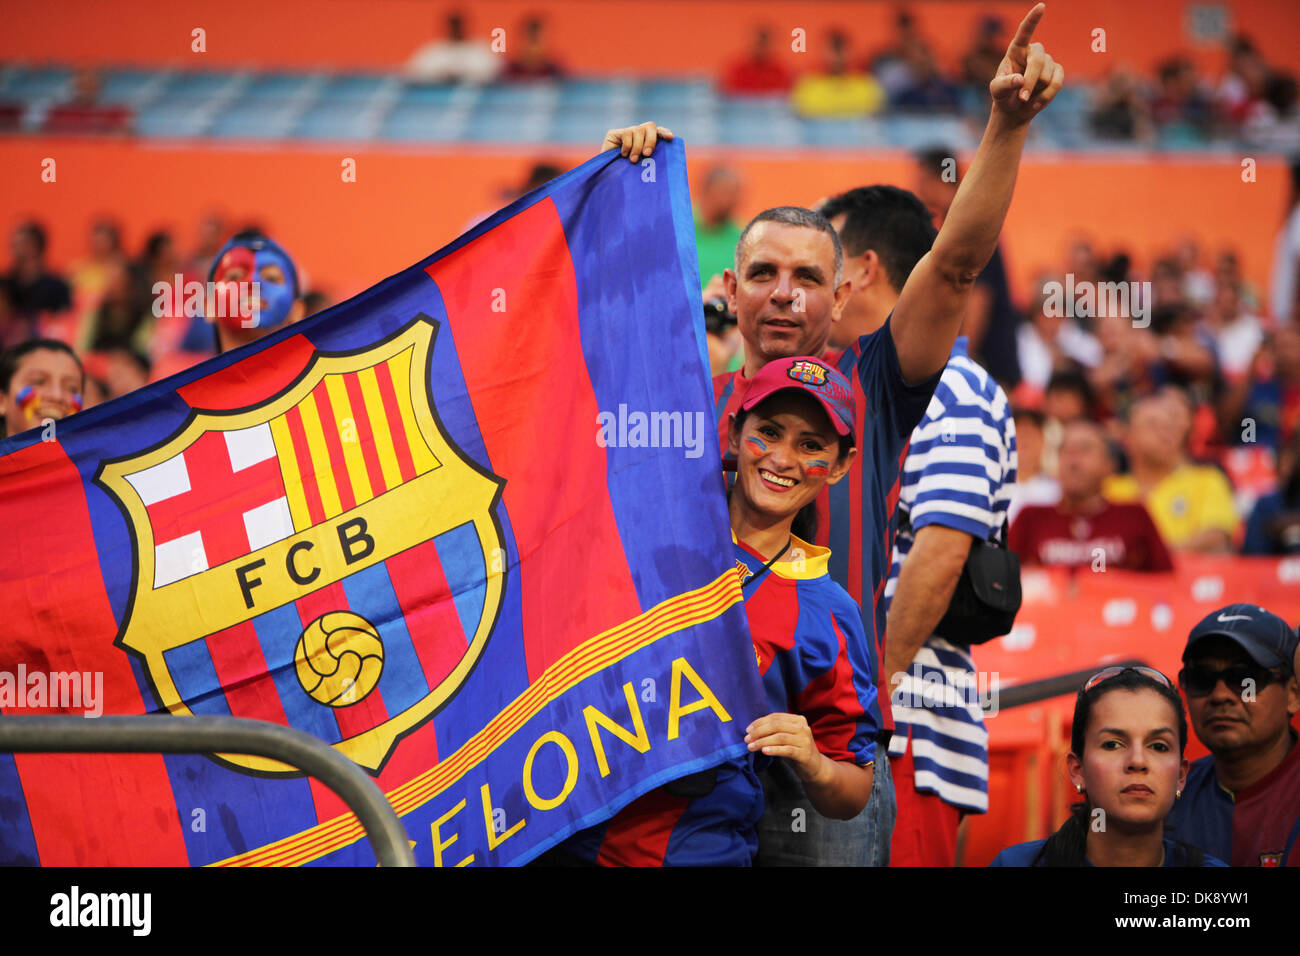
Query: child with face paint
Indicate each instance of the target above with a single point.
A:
(256, 290)
(792, 435)
(1126, 756)
(40, 380)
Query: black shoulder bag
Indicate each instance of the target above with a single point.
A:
(987, 597)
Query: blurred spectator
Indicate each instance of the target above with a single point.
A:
(1274, 122)
(726, 345)
(1198, 283)
(1191, 504)
(908, 74)
(90, 276)
(1285, 285)
(84, 113)
(991, 318)
(1243, 85)
(208, 241)
(838, 90)
(1052, 343)
(30, 288)
(125, 370)
(1033, 485)
(535, 63)
(454, 59)
(159, 262)
(1182, 108)
(759, 72)
(981, 62)
(40, 379)
(716, 228)
(1274, 523)
(1084, 530)
(538, 175)
(1236, 333)
(117, 317)
(315, 301)
(1068, 397)
(1119, 111)
(1269, 401)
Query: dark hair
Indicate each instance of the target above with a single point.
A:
(1020, 413)
(1068, 845)
(37, 232)
(1070, 380)
(890, 221)
(934, 159)
(796, 216)
(11, 358)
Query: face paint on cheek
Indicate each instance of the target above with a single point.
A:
(75, 403)
(27, 400)
(757, 444)
(818, 468)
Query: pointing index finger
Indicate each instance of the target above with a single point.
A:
(1025, 32)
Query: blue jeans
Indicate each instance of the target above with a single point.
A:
(787, 837)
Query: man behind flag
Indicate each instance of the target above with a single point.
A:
(789, 291)
(397, 526)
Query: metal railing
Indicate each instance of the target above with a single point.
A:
(1034, 691)
(169, 734)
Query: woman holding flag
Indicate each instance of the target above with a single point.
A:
(792, 436)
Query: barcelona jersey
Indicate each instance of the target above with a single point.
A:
(855, 515)
(812, 654)
(1257, 826)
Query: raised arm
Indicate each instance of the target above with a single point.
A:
(930, 307)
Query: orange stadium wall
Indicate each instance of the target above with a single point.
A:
(606, 36)
(407, 204)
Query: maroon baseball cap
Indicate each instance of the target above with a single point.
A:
(813, 376)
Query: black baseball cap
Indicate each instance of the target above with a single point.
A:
(1267, 638)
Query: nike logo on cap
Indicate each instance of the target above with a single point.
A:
(1235, 617)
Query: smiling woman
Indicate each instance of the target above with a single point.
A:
(792, 436)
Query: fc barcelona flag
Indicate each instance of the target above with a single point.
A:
(408, 527)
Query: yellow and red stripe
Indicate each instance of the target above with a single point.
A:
(590, 657)
(352, 438)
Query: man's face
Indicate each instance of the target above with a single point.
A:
(1153, 434)
(720, 196)
(1083, 461)
(47, 384)
(871, 294)
(1226, 719)
(784, 295)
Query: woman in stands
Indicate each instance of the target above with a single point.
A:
(1127, 759)
(793, 435)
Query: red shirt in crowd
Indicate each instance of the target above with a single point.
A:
(1124, 533)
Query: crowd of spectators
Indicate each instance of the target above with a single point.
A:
(106, 306)
(1254, 101)
(1193, 382)
(1190, 373)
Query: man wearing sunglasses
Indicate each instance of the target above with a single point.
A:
(1242, 803)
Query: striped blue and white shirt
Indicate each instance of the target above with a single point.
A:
(960, 472)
